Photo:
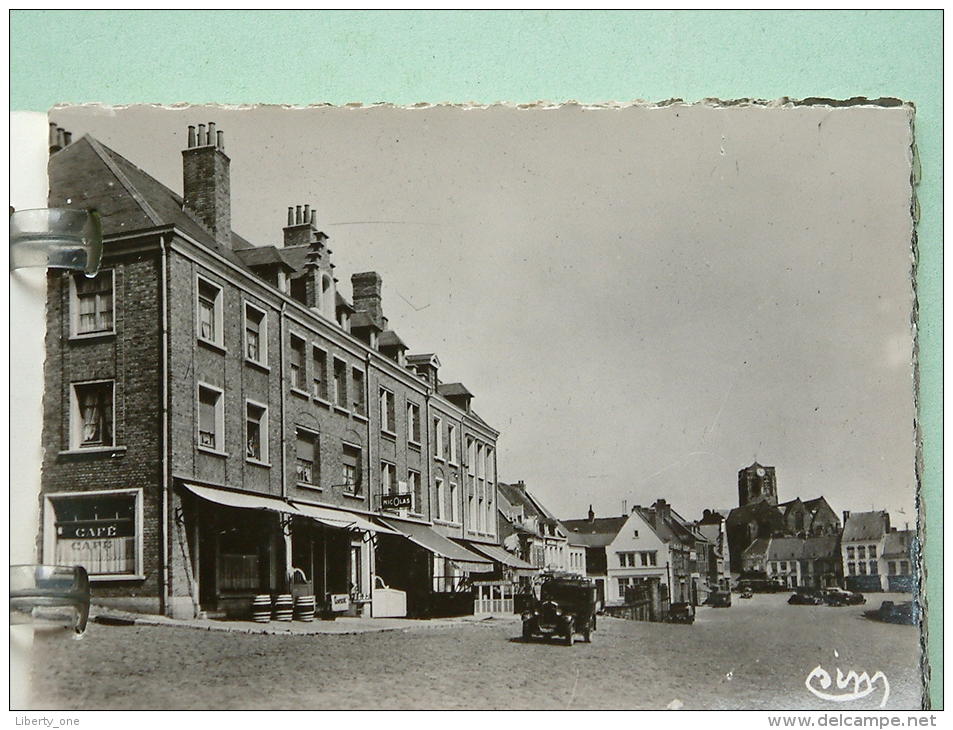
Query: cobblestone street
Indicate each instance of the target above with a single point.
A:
(754, 655)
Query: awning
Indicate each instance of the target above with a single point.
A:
(495, 552)
(436, 543)
(244, 500)
(340, 518)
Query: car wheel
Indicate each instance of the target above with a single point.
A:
(570, 639)
(527, 632)
(587, 635)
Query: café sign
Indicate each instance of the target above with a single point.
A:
(396, 501)
(94, 529)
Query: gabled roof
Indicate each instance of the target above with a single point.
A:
(785, 548)
(389, 338)
(87, 174)
(822, 546)
(425, 358)
(758, 547)
(865, 526)
(264, 256)
(453, 389)
(598, 532)
(899, 542)
(342, 303)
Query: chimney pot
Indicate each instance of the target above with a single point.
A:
(220, 140)
(291, 215)
(314, 216)
(211, 133)
(61, 137)
(191, 136)
(202, 138)
(307, 214)
(53, 138)
(67, 137)
(298, 214)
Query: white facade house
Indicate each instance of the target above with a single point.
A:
(636, 555)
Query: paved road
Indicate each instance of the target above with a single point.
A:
(754, 655)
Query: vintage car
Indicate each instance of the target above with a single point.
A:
(906, 612)
(747, 592)
(840, 597)
(681, 613)
(719, 599)
(566, 607)
(806, 597)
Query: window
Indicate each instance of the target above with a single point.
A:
(307, 460)
(210, 312)
(490, 466)
(862, 566)
(471, 457)
(452, 443)
(872, 551)
(648, 558)
(256, 335)
(319, 373)
(481, 461)
(784, 564)
(441, 507)
(873, 567)
(256, 432)
(438, 438)
(413, 477)
(861, 552)
(92, 303)
(851, 569)
(904, 567)
(296, 363)
(850, 553)
(413, 422)
(626, 560)
(211, 418)
(351, 464)
(387, 411)
(92, 415)
(100, 531)
(454, 507)
(357, 396)
(340, 383)
(388, 478)
(892, 568)
(635, 533)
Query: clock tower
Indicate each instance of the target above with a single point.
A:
(756, 483)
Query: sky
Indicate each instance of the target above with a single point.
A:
(642, 300)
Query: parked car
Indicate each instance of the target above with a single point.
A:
(806, 597)
(747, 593)
(719, 599)
(50, 594)
(895, 613)
(840, 597)
(566, 607)
(681, 613)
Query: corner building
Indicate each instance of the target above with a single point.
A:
(220, 421)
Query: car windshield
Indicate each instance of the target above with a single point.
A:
(564, 593)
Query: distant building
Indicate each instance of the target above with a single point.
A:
(862, 546)
(760, 515)
(537, 536)
(900, 557)
(712, 527)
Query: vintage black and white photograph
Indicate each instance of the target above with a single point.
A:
(456, 407)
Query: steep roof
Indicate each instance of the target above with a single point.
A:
(865, 526)
(758, 547)
(751, 510)
(785, 548)
(389, 338)
(899, 542)
(263, 256)
(598, 532)
(822, 546)
(87, 174)
(453, 389)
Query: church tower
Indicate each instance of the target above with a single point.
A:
(756, 483)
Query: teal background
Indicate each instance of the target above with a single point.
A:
(305, 57)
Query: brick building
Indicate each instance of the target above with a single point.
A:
(218, 416)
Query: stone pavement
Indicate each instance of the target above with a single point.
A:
(341, 625)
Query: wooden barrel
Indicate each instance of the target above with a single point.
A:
(261, 608)
(284, 607)
(304, 608)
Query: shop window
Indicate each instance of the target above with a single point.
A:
(92, 303)
(256, 432)
(340, 383)
(256, 335)
(388, 424)
(209, 312)
(351, 465)
(319, 373)
(92, 415)
(296, 363)
(307, 461)
(99, 531)
(211, 418)
(413, 423)
(357, 396)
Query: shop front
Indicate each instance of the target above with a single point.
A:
(434, 571)
(497, 595)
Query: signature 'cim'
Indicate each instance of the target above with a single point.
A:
(857, 685)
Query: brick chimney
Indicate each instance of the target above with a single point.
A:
(662, 509)
(320, 290)
(366, 289)
(205, 184)
(59, 138)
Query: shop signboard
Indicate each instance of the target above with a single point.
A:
(340, 601)
(397, 501)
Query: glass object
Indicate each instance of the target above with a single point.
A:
(64, 238)
(56, 595)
